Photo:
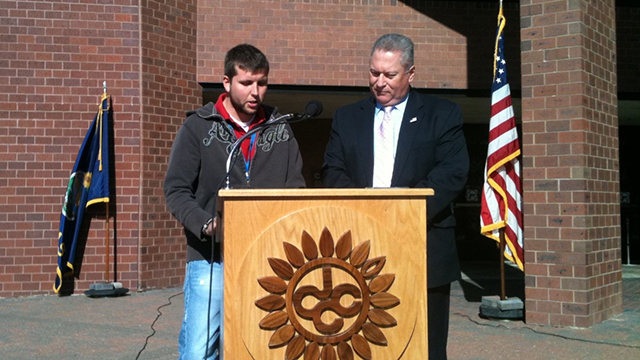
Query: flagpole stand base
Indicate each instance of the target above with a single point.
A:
(494, 308)
(106, 290)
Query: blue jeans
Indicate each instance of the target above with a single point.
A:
(202, 287)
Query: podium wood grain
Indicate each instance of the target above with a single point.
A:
(268, 237)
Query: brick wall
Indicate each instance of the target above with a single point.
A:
(570, 146)
(56, 55)
(169, 89)
(54, 58)
(316, 42)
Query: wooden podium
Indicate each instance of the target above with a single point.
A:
(324, 273)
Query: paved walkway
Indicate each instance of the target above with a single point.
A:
(473, 338)
(145, 325)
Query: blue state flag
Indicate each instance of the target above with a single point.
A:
(88, 184)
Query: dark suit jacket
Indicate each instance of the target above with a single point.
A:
(431, 153)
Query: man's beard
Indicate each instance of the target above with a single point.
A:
(241, 108)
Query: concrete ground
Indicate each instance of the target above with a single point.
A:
(145, 325)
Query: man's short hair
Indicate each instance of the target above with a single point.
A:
(246, 57)
(396, 42)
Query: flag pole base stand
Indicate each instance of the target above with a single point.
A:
(494, 308)
(106, 290)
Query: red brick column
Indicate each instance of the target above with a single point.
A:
(570, 147)
(169, 90)
(55, 56)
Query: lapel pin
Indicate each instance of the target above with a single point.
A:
(413, 120)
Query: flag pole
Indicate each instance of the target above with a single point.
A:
(503, 292)
(502, 185)
(106, 229)
(106, 222)
(98, 188)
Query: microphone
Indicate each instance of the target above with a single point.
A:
(313, 109)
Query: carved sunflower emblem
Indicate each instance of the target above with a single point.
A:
(320, 319)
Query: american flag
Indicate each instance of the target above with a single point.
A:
(502, 190)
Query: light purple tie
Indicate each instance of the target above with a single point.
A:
(383, 152)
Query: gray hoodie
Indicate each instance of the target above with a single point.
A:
(197, 169)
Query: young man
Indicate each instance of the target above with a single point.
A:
(401, 138)
(269, 159)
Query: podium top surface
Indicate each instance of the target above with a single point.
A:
(334, 193)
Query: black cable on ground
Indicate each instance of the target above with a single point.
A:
(545, 333)
(146, 341)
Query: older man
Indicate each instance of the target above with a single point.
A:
(401, 138)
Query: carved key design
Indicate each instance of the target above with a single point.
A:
(290, 313)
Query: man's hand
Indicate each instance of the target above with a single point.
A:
(211, 227)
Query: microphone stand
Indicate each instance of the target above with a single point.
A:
(279, 120)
